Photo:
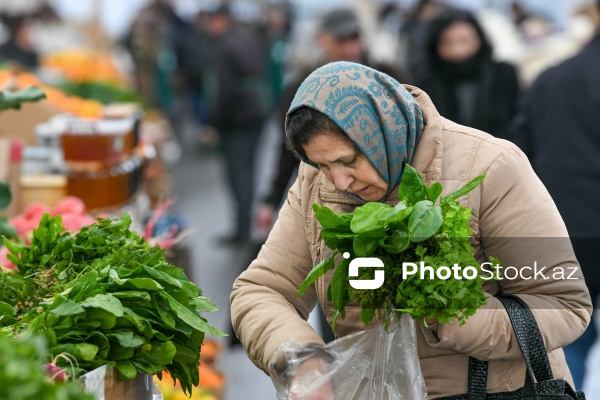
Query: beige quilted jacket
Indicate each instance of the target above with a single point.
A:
(510, 203)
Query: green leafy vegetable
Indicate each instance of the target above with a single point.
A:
(416, 229)
(105, 296)
(5, 195)
(10, 99)
(23, 373)
(102, 92)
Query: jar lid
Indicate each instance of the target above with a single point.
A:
(119, 126)
(43, 181)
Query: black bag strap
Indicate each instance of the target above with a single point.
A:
(532, 346)
(528, 336)
(478, 371)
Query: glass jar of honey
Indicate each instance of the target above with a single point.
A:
(106, 187)
(102, 143)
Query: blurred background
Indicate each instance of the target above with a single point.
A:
(172, 110)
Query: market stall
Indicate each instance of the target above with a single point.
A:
(92, 285)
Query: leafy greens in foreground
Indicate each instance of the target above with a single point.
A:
(416, 229)
(105, 296)
(23, 375)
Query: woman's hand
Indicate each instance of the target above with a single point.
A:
(311, 382)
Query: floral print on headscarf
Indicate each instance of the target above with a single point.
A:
(377, 113)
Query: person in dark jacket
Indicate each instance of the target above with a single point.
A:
(558, 127)
(238, 102)
(463, 80)
(18, 49)
(156, 42)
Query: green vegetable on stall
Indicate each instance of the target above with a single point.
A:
(105, 296)
(6, 229)
(23, 373)
(102, 92)
(9, 99)
(423, 226)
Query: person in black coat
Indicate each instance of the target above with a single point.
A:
(238, 98)
(558, 127)
(18, 49)
(463, 80)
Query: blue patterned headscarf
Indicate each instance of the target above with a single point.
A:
(377, 113)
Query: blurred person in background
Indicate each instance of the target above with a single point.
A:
(413, 35)
(518, 13)
(558, 127)
(200, 52)
(19, 49)
(278, 27)
(385, 44)
(238, 99)
(340, 39)
(157, 43)
(463, 80)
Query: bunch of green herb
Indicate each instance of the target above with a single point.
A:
(14, 100)
(416, 229)
(103, 92)
(105, 296)
(23, 376)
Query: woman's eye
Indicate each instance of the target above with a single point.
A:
(350, 162)
(323, 167)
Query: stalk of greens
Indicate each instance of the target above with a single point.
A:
(105, 296)
(416, 229)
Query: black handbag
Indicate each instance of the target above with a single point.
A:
(536, 359)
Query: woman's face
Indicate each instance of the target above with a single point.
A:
(345, 166)
(458, 42)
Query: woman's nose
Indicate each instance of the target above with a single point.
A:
(342, 180)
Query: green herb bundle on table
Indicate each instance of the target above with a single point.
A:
(105, 296)
(417, 229)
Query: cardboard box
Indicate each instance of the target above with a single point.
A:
(21, 123)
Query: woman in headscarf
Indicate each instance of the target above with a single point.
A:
(464, 82)
(355, 129)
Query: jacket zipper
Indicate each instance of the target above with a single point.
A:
(335, 200)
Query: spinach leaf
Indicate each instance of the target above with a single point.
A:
(424, 221)
(412, 187)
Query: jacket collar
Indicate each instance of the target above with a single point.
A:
(428, 154)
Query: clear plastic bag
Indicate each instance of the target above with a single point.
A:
(368, 365)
